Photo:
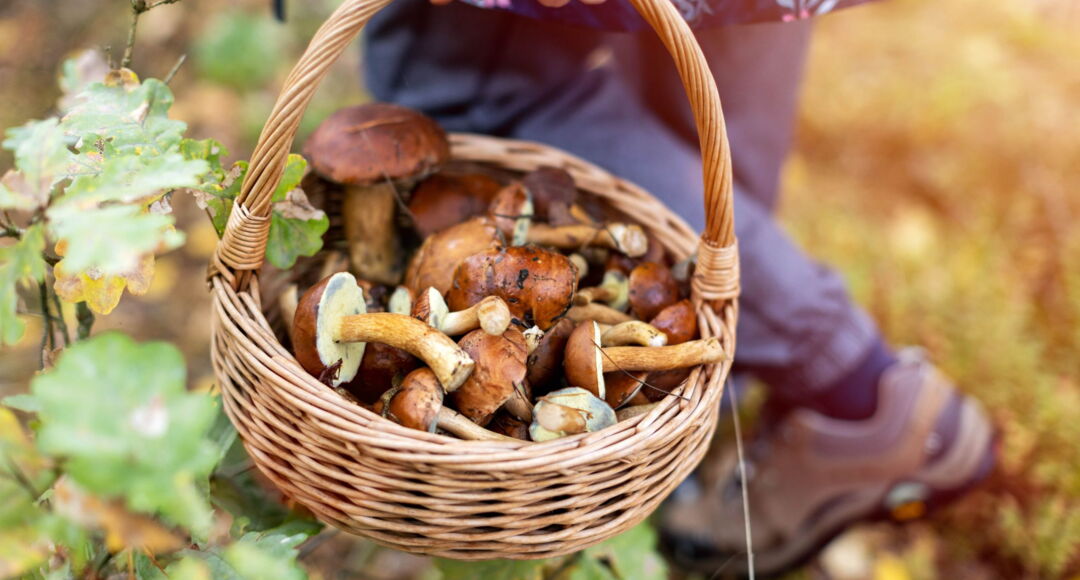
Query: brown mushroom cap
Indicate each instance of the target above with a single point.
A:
(506, 424)
(443, 200)
(371, 143)
(550, 185)
(582, 359)
(537, 284)
(499, 372)
(652, 288)
(417, 402)
(678, 321)
(380, 365)
(622, 389)
(569, 411)
(440, 254)
(545, 363)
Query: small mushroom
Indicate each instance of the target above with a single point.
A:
(491, 314)
(626, 264)
(613, 291)
(498, 378)
(627, 238)
(443, 200)
(586, 361)
(537, 284)
(598, 312)
(678, 321)
(652, 288)
(418, 404)
(332, 327)
(569, 411)
(545, 361)
(374, 151)
(440, 254)
(512, 211)
(533, 337)
(401, 301)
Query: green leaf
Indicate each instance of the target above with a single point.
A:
(269, 555)
(630, 555)
(110, 240)
(295, 168)
(491, 569)
(130, 120)
(130, 178)
(20, 263)
(22, 402)
(120, 415)
(42, 158)
(188, 568)
(291, 238)
(217, 199)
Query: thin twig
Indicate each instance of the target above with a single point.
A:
(85, 318)
(20, 477)
(175, 69)
(137, 8)
(61, 322)
(47, 339)
(730, 388)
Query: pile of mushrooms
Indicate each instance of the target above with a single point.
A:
(521, 311)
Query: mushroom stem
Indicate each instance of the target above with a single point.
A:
(581, 265)
(613, 290)
(401, 301)
(663, 358)
(456, 423)
(598, 312)
(490, 314)
(368, 215)
(450, 364)
(628, 239)
(633, 332)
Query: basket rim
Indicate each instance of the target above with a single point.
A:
(338, 418)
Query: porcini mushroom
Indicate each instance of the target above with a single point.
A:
(537, 284)
(652, 288)
(497, 379)
(332, 327)
(374, 150)
(506, 424)
(614, 291)
(624, 387)
(440, 254)
(491, 314)
(443, 200)
(569, 411)
(679, 323)
(418, 404)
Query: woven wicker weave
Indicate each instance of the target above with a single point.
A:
(432, 494)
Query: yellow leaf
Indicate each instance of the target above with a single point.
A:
(16, 445)
(21, 551)
(123, 529)
(889, 567)
(101, 293)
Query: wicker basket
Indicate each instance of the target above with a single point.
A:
(431, 494)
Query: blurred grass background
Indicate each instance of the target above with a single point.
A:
(937, 165)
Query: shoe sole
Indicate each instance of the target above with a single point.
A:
(868, 506)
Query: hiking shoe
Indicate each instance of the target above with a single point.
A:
(809, 476)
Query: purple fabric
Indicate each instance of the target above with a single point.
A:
(620, 14)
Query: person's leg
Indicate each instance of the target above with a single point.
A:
(518, 78)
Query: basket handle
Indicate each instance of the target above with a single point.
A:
(243, 245)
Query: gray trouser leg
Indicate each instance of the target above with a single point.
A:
(492, 72)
